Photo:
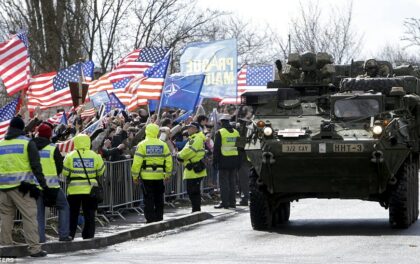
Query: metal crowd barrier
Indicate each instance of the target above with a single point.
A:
(120, 194)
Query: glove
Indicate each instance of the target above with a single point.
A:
(50, 196)
(34, 192)
(24, 187)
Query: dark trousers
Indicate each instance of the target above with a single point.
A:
(243, 176)
(153, 200)
(89, 206)
(194, 192)
(227, 186)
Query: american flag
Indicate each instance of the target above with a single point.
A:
(251, 77)
(7, 112)
(14, 63)
(132, 56)
(134, 64)
(114, 103)
(65, 146)
(89, 110)
(68, 145)
(58, 118)
(137, 62)
(150, 86)
(52, 89)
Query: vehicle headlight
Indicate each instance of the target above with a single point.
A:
(377, 130)
(268, 131)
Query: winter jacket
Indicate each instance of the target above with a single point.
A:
(33, 153)
(58, 158)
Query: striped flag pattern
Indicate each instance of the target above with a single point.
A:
(68, 145)
(134, 64)
(132, 56)
(65, 146)
(7, 112)
(58, 118)
(51, 89)
(251, 78)
(89, 110)
(150, 86)
(14, 63)
(137, 62)
(104, 84)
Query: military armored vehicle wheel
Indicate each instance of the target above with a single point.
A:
(260, 212)
(282, 213)
(403, 203)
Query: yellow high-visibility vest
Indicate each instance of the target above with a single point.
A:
(228, 147)
(48, 166)
(152, 160)
(73, 169)
(14, 163)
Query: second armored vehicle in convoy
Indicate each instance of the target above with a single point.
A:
(318, 135)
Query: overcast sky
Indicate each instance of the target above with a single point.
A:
(381, 21)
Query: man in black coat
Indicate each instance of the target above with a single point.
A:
(227, 165)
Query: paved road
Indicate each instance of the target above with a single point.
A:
(320, 231)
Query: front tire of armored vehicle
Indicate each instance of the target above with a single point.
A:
(282, 214)
(403, 202)
(260, 212)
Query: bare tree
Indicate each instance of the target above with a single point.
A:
(105, 25)
(170, 23)
(255, 42)
(310, 32)
(412, 31)
(397, 55)
(56, 29)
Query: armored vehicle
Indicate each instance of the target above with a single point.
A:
(314, 135)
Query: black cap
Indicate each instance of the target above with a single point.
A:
(17, 123)
(194, 124)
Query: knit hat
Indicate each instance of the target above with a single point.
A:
(45, 131)
(17, 123)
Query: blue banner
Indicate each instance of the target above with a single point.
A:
(153, 104)
(218, 61)
(182, 91)
(99, 98)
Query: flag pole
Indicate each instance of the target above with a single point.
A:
(166, 74)
(81, 79)
(198, 99)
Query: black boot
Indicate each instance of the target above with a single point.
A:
(220, 206)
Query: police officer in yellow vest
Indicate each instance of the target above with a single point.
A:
(152, 163)
(20, 172)
(52, 166)
(226, 160)
(192, 155)
(80, 164)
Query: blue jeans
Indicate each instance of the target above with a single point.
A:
(63, 216)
